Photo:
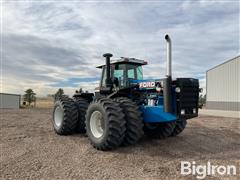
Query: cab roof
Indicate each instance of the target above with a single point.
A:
(126, 60)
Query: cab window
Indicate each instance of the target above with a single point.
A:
(139, 73)
(131, 74)
(134, 72)
(124, 73)
(119, 73)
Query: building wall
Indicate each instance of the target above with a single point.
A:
(9, 100)
(223, 86)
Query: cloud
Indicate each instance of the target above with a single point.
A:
(76, 82)
(47, 45)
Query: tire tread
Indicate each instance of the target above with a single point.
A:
(82, 106)
(69, 118)
(116, 124)
(134, 121)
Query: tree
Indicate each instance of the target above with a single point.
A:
(58, 94)
(30, 96)
(80, 90)
(202, 100)
(50, 95)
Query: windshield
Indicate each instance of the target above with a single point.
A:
(132, 71)
(126, 72)
(123, 73)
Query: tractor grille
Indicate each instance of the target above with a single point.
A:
(187, 99)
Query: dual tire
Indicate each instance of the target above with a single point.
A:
(105, 124)
(69, 115)
(65, 116)
(111, 123)
(134, 121)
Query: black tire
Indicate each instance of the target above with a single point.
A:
(134, 121)
(180, 126)
(159, 130)
(82, 106)
(66, 111)
(113, 124)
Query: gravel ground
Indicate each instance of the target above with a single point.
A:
(31, 150)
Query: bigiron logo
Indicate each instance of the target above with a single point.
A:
(201, 171)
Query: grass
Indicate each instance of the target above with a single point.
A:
(41, 103)
(44, 103)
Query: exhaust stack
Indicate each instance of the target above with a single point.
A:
(169, 55)
(108, 74)
(167, 84)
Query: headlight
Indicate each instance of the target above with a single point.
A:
(178, 90)
(182, 111)
(194, 111)
(158, 89)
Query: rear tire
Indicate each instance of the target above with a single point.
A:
(82, 106)
(65, 116)
(105, 124)
(159, 130)
(134, 121)
(180, 126)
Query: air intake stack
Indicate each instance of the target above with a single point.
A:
(108, 70)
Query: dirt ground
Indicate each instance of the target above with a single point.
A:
(31, 150)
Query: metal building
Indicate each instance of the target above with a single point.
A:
(223, 86)
(10, 100)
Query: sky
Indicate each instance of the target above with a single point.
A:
(57, 44)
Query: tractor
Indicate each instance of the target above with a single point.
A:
(125, 106)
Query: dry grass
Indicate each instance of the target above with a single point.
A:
(44, 103)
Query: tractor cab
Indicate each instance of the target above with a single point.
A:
(122, 72)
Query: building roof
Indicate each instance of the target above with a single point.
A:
(126, 60)
(10, 94)
(224, 62)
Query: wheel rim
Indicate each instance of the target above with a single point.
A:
(58, 116)
(97, 124)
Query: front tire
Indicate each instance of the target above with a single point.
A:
(65, 116)
(105, 124)
(159, 130)
(134, 121)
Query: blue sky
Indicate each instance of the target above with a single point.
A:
(52, 44)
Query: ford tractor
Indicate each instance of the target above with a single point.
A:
(125, 106)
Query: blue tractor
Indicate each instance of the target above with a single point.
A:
(125, 106)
